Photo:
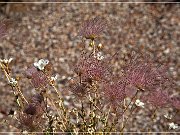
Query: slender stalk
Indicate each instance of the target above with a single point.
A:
(152, 118)
(16, 87)
(131, 101)
(59, 94)
(60, 116)
(94, 104)
(176, 112)
(52, 102)
(132, 110)
(123, 112)
(153, 114)
(106, 121)
(60, 103)
(94, 47)
(82, 115)
(20, 93)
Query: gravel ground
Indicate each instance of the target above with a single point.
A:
(50, 31)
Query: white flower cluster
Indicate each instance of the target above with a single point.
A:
(13, 82)
(139, 103)
(172, 125)
(41, 64)
(54, 78)
(168, 116)
(99, 56)
(6, 61)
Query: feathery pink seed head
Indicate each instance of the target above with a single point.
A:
(91, 68)
(159, 98)
(38, 78)
(114, 92)
(92, 28)
(175, 101)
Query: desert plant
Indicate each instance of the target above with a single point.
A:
(100, 97)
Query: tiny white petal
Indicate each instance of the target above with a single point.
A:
(46, 61)
(99, 56)
(10, 60)
(53, 78)
(100, 45)
(139, 103)
(35, 64)
(13, 82)
(6, 61)
(167, 116)
(172, 125)
(41, 64)
(63, 77)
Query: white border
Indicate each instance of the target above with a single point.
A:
(91, 3)
(88, 132)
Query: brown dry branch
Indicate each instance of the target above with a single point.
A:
(5, 69)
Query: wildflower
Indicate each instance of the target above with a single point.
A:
(139, 103)
(158, 98)
(167, 116)
(13, 82)
(175, 101)
(172, 125)
(100, 46)
(77, 88)
(93, 28)
(30, 71)
(90, 68)
(139, 76)
(99, 56)
(38, 78)
(6, 61)
(144, 75)
(114, 92)
(54, 78)
(41, 64)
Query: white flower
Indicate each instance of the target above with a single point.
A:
(167, 116)
(54, 78)
(99, 56)
(13, 82)
(139, 103)
(25, 132)
(172, 125)
(6, 61)
(100, 45)
(41, 64)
